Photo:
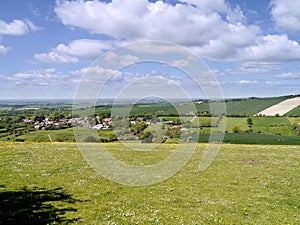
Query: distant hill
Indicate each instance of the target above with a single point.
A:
(247, 106)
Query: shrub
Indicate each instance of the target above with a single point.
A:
(236, 129)
(90, 139)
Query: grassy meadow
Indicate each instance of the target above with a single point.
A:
(50, 183)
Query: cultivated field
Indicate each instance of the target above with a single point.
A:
(294, 112)
(246, 184)
(281, 108)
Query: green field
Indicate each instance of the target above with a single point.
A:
(244, 107)
(234, 107)
(294, 112)
(64, 135)
(254, 138)
(52, 184)
(295, 120)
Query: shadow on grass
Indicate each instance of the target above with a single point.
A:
(34, 206)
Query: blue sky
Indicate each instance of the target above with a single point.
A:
(253, 47)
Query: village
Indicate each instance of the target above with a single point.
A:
(95, 124)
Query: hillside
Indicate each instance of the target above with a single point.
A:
(245, 106)
(281, 108)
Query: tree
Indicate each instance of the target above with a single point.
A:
(250, 122)
(39, 117)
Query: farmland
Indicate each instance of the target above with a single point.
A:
(246, 184)
(253, 180)
(244, 106)
(234, 107)
(294, 112)
(281, 108)
(53, 121)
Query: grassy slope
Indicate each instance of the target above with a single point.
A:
(43, 135)
(294, 112)
(247, 107)
(251, 106)
(65, 135)
(245, 185)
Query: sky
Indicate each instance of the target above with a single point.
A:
(251, 47)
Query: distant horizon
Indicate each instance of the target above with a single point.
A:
(113, 99)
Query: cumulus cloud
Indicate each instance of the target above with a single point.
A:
(54, 57)
(69, 53)
(43, 83)
(191, 24)
(276, 48)
(85, 47)
(46, 77)
(16, 27)
(228, 44)
(286, 14)
(214, 30)
(123, 60)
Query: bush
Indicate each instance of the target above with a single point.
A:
(236, 130)
(91, 139)
(20, 140)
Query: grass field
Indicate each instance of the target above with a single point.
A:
(294, 112)
(254, 138)
(295, 120)
(52, 184)
(273, 125)
(64, 135)
(247, 107)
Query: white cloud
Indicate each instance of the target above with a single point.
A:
(54, 57)
(214, 30)
(46, 77)
(16, 27)
(85, 48)
(288, 76)
(180, 63)
(286, 14)
(276, 48)
(3, 50)
(256, 67)
(252, 83)
(247, 82)
(186, 24)
(123, 60)
(228, 44)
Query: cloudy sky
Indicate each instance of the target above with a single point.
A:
(253, 47)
